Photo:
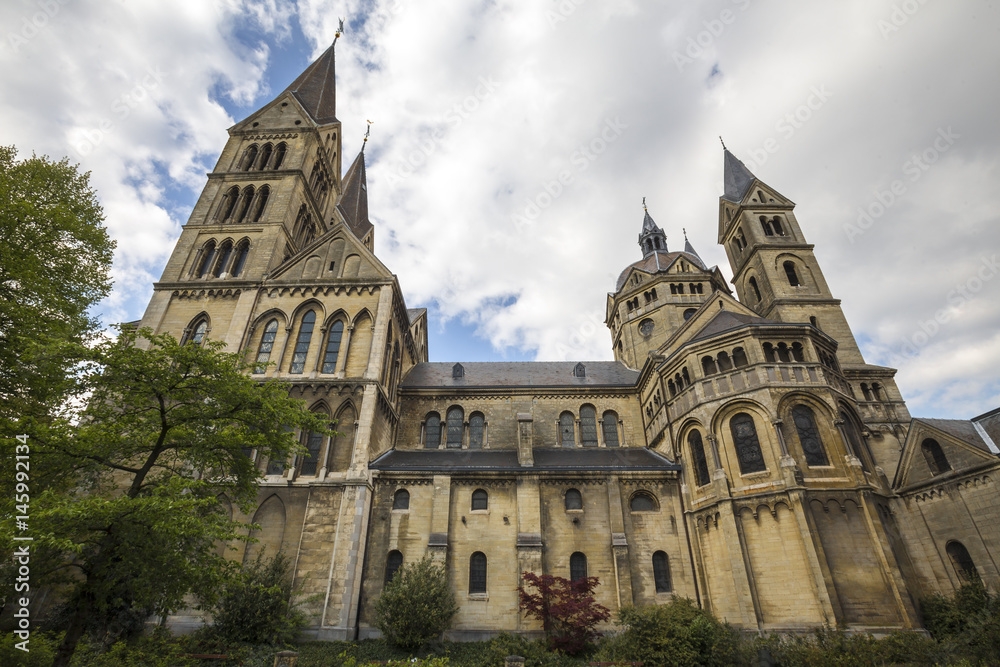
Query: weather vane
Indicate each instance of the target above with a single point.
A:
(340, 30)
(723, 143)
(643, 203)
(368, 131)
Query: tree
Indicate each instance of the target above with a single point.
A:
(416, 606)
(165, 429)
(567, 609)
(55, 257)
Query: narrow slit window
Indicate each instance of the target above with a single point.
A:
(333, 347)
(302, 343)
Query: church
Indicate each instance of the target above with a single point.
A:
(739, 450)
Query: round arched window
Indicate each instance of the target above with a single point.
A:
(642, 502)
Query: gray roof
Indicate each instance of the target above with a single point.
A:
(963, 429)
(550, 460)
(648, 225)
(736, 178)
(689, 249)
(353, 204)
(727, 320)
(520, 374)
(316, 90)
(654, 262)
(414, 313)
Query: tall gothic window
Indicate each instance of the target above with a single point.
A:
(748, 451)
(700, 463)
(962, 561)
(225, 252)
(313, 442)
(198, 332)
(392, 564)
(588, 426)
(207, 258)
(265, 156)
(812, 443)
(279, 155)
(477, 430)
(249, 158)
(477, 573)
(793, 277)
(567, 437)
(577, 566)
(333, 347)
(661, 572)
(265, 347)
(302, 343)
(455, 419)
(242, 250)
(262, 197)
(609, 424)
(432, 431)
(753, 286)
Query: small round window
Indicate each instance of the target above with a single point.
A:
(688, 313)
(646, 327)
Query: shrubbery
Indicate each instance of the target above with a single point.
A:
(567, 609)
(416, 606)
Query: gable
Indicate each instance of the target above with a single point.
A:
(959, 448)
(284, 111)
(758, 195)
(335, 255)
(719, 303)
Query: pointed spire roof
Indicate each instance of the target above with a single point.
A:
(736, 178)
(648, 225)
(688, 248)
(651, 238)
(315, 89)
(353, 203)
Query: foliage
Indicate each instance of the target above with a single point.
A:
(42, 650)
(416, 606)
(676, 633)
(491, 653)
(135, 516)
(255, 605)
(567, 609)
(827, 647)
(433, 661)
(968, 622)
(156, 649)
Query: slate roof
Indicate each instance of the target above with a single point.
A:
(659, 260)
(963, 429)
(648, 225)
(315, 89)
(736, 178)
(608, 459)
(414, 313)
(353, 205)
(727, 320)
(520, 374)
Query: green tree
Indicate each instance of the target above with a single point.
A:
(416, 606)
(164, 430)
(55, 257)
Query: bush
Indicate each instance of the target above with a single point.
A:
(676, 633)
(567, 609)
(41, 650)
(416, 606)
(968, 623)
(255, 606)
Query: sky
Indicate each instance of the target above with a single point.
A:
(512, 143)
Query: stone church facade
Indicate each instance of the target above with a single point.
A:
(739, 450)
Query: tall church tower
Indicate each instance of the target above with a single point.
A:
(277, 261)
(777, 275)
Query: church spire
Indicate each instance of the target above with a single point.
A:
(651, 238)
(689, 249)
(315, 88)
(736, 177)
(353, 204)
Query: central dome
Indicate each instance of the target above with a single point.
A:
(656, 262)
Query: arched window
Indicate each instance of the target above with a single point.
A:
(609, 424)
(574, 500)
(262, 197)
(198, 332)
(392, 564)
(577, 566)
(934, 455)
(776, 225)
(813, 321)
(797, 353)
(207, 259)
(739, 357)
(793, 278)
(783, 354)
(698, 460)
(809, 438)
(480, 500)
(588, 426)
(877, 391)
(279, 155)
(769, 354)
(245, 202)
(642, 502)
(708, 365)
(567, 435)
(249, 158)
(456, 419)
(225, 252)
(688, 313)
(302, 343)
(756, 290)
(477, 430)
(854, 439)
(242, 250)
(313, 442)
(748, 451)
(866, 391)
(401, 500)
(672, 387)
(432, 431)
(265, 347)
(962, 561)
(229, 203)
(661, 572)
(477, 573)
(265, 155)
(725, 364)
(766, 226)
(333, 347)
